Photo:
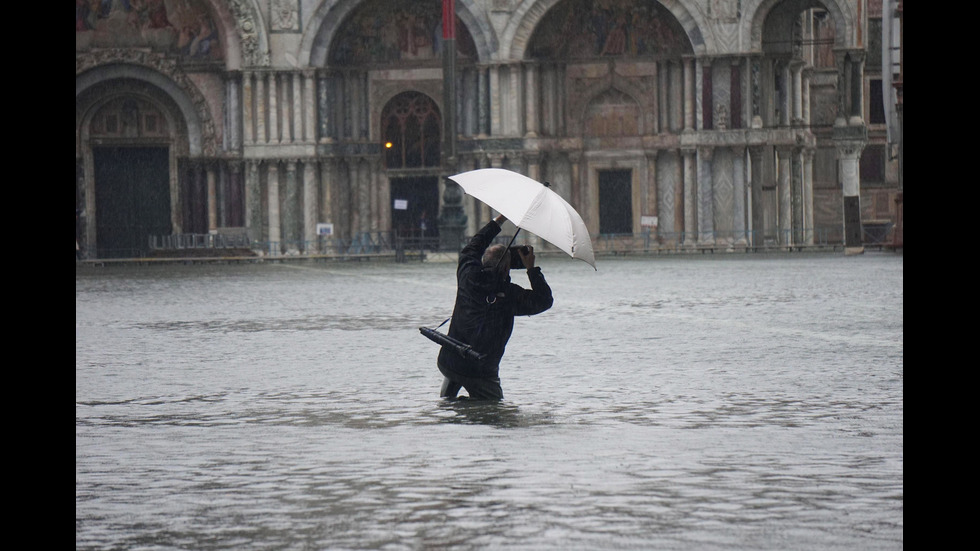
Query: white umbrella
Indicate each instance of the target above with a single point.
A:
(531, 206)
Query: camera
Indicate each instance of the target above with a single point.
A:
(516, 263)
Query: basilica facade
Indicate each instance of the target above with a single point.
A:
(299, 124)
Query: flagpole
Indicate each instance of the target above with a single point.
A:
(452, 218)
(449, 79)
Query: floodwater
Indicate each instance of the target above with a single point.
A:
(745, 402)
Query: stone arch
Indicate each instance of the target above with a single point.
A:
(164, 75)
(329, 18)
(516, 38)
(845, 20)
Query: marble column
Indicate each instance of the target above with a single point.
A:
(233, 112)
(326, 205)
(796, 69)
(483, 102)
(309, 206)
(689, 94)
(530, 100)
(290, 206)
(515, 111)
(784, 188)
(807, 78)
(496, 121)
(678, 227)
(843, 87)
(309, 107)
(253, 201)
(755, 207)
(754, 97)
(274, 135)
(797, 187)
(651, 196)
(323, 100)
(212, 195)
(690, 196)
(272, 189)
(857, 88)
(248, 113)
(808, 222)
(849, 158)
(739, 215)
(705, 194)
(663, 96)
(261, 109)
(297, 108)
(361, 184)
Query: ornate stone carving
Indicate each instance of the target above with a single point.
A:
(248, 33)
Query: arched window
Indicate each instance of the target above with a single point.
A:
(410, 130)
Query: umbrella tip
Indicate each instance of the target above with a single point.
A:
(547, 184)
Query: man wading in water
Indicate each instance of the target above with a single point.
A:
(483, 316)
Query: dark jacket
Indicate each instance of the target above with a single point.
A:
(483, 316)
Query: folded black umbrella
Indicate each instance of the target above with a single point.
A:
(462, 348)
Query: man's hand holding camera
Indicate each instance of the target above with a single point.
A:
(527, 256)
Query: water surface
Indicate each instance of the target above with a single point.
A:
(727, 402)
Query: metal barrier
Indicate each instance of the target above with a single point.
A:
(401, 244)
(200, 241)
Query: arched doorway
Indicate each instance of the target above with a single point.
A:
(130, 140)
(411, 138)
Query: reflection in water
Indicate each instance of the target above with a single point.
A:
(490, 413)
(731, 403)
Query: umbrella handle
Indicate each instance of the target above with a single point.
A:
(512, 239)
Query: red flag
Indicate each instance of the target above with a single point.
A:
(448, 19)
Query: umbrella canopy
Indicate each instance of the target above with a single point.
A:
(531, 206)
